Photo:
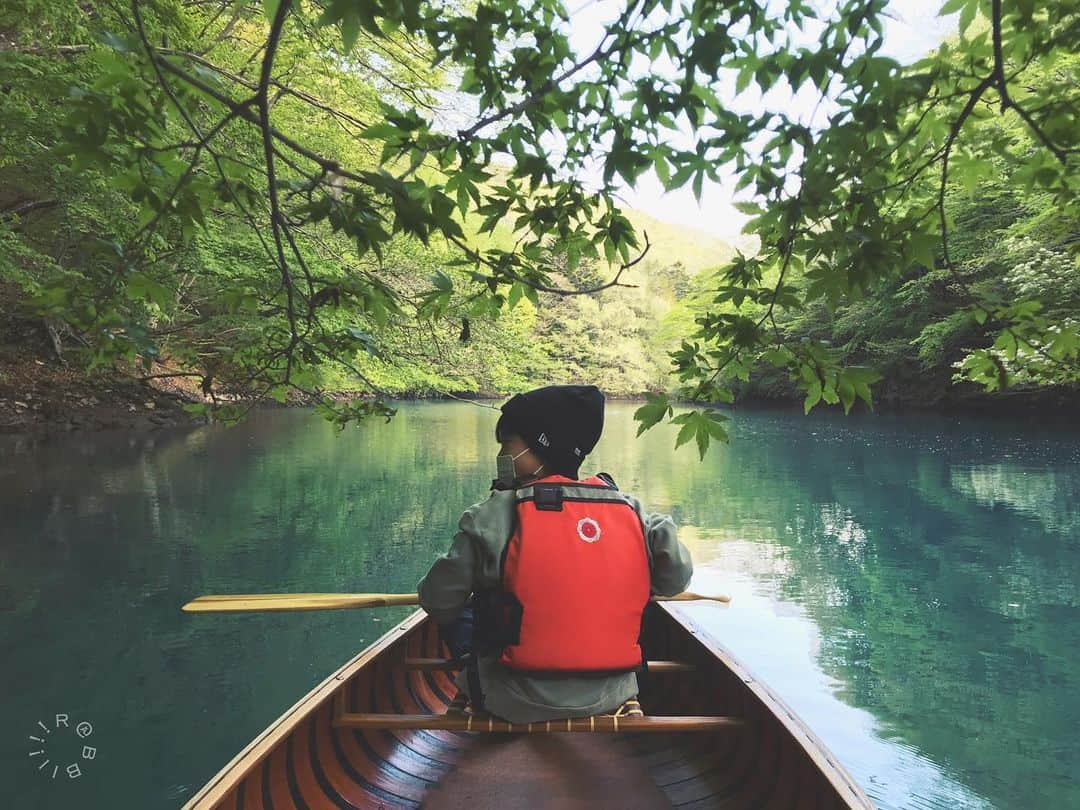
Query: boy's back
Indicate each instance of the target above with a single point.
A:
(572, 657)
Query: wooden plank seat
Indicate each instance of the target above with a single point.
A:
(482, 722)
(446, 664)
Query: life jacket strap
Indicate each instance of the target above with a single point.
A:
(472, 676)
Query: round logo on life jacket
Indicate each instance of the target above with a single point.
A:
(588, 530)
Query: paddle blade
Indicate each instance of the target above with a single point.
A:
(259, 602)
(690, 596)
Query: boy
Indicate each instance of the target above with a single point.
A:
(546, 581)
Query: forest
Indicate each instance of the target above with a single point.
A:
(291, 200)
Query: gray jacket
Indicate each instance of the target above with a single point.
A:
(472, 564)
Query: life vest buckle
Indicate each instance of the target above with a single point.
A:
(548, 498)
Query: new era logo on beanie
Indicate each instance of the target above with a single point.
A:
(560, 423)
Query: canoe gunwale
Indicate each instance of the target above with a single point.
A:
(773, 704)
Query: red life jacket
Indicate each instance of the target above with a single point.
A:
(577, 565)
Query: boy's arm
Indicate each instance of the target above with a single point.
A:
(472, 563)
(670, 559)
(448, 585)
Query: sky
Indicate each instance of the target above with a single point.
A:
(912, 30)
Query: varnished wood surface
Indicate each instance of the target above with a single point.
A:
(488, 724)
(273, 602)
(772, 762)
(452, 665)
(268, 602)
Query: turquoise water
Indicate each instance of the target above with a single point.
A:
(908, 585)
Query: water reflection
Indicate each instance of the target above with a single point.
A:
(908, 586)
(1046, 495)
(782, 644)
(947, 612)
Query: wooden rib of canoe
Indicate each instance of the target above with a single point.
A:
(376, 734)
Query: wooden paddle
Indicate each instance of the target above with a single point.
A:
(257, 602)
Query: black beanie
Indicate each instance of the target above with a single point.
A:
(560, 423)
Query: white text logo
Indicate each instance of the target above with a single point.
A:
(62, 747)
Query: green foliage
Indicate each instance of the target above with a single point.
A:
(1001, 312)
(352, 412)
(656, 409)
(702, 427)
(878, 248)
(279, 196)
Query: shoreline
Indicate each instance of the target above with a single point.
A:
(42, 398)
(138, 408)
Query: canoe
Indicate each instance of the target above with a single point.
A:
(713, 736)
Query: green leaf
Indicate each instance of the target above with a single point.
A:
(442, 281)
(366, 340)
(813, 396)
(953, 6)
(702, 437)
(350, 30)
(382, 132)
(656, 408)
(686, 433)
(847, 393)
(141, 287)
(967, 15)
(746, 73)
(117, 43)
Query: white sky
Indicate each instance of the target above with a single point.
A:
(913, 30)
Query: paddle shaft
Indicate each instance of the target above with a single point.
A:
(261, 602)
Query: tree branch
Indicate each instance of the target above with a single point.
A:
(277, 223)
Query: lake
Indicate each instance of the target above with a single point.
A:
(909, 585)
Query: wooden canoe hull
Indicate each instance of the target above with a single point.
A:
(302, 760)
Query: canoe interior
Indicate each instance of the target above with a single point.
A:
(302, 760)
